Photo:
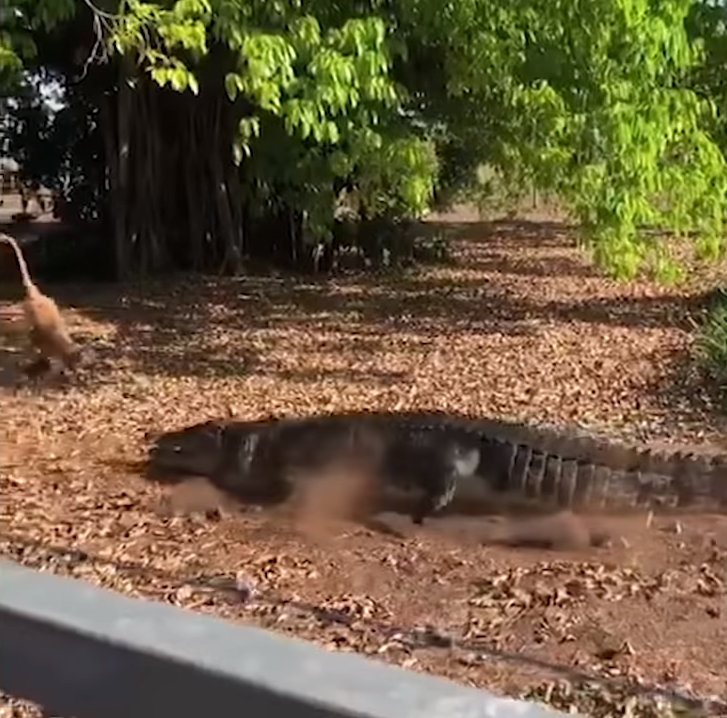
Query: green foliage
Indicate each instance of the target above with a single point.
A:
(711, 342)
(18, 20)
(329, 87)
(707, 26)
(617, 108)
(589, 102)
(155, 33)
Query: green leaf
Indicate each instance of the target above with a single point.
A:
(231, 85)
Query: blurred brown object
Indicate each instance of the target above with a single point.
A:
(12, 320)
(348, 490)
(562, 531)
(196, 496)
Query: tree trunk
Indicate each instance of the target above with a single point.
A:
(230, 234)
(116, 121)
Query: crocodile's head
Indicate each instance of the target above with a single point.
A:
(194, 450)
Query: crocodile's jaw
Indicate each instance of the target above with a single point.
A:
(195, 450)
(168, 460)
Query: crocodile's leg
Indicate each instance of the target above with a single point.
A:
(425, 506)
(233, 471)
(440, 486)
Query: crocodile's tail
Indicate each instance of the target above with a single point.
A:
(587, 473)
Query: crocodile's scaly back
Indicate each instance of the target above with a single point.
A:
(571, 469)
(583, 472)
(263, 457)
(436, 451)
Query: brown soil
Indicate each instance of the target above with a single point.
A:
(520, 328)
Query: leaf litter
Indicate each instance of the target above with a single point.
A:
(607, 627)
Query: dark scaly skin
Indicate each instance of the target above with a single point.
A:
(258, 457)
(564, 468)
(595, 474)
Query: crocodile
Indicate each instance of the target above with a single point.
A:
(439, 453)
(257, 458)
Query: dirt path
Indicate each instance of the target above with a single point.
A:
(520, 329)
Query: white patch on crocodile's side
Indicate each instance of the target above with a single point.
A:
(466, 461)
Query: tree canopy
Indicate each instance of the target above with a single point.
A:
(203, 131)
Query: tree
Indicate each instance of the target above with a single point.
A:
(222, 116)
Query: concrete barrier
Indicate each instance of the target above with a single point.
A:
(81, 651)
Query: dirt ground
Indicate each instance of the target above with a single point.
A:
(519, 328)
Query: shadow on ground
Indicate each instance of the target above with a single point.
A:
(212, 327)
(694, 396)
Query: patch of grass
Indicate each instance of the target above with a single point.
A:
(711, 342)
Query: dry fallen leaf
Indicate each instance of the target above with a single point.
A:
(519, 328)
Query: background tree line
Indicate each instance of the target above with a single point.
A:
(196, 134)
